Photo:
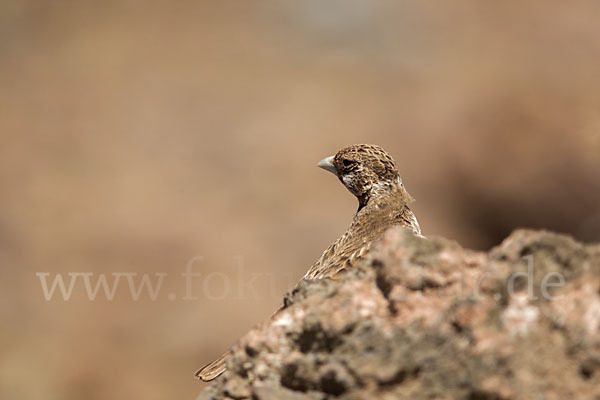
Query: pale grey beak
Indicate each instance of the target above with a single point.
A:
(327, 164)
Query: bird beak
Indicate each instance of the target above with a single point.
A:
(327, 164)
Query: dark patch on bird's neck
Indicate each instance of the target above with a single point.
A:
(362, 201)
(392, 195)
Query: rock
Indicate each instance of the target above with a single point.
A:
(424, 318)
(237, 388)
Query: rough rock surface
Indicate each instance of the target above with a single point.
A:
(426, 319)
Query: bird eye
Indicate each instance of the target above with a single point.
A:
(347, 163)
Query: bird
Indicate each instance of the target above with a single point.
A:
(370, 174)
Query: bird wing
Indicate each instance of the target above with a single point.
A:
(342, 255)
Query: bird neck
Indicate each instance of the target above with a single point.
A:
(384, 193)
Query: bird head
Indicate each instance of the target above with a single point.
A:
(366, 170)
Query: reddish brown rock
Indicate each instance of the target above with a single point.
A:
(424, 318)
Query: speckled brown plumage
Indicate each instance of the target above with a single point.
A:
(370, 174)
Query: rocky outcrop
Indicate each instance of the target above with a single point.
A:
(425, 319)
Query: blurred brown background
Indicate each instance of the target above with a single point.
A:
(136, 135)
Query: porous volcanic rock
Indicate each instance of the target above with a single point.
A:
(427, 319)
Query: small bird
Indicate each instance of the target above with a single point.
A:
(370, 174)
